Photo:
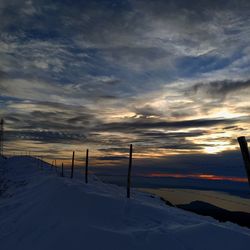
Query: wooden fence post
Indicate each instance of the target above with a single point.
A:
(62, 170)
(129, 171)
(72, 165)
(55, 166)
(86, 166)
(245, 154)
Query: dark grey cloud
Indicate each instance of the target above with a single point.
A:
(45, 136)
(114, 149)
(63, 123)
(112, 158)
(233, 128)
(221, 88)
(150, 140)
(169, 135)
(196, 123)
(161, 7)
(3, 75)
(147, 111)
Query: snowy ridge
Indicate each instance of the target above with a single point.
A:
(40, 210)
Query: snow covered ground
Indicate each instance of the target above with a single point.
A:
(41, 210)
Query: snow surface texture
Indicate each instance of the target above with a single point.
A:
(41, 210)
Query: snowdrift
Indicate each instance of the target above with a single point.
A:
(40, 210)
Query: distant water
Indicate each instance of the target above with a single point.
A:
(216, 198)
(232, 196)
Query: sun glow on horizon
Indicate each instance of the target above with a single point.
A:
(210, 177)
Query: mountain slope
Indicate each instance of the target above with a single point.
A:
(40, 210)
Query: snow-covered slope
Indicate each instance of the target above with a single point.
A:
(41, 210)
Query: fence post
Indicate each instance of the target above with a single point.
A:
(86, 166)
(55, 166)
(62, 170)
(245, 154)
(129, 171)
(72, 165)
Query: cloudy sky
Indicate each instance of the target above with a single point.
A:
(171, 77)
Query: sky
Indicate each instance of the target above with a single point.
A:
(170, 77)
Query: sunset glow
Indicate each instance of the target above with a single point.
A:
(209, 177)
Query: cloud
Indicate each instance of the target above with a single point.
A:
(170, 76)
(222, 88)
(45, 136)
(197, 123)
(112, 158)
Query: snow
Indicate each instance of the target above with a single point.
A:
(41, 210)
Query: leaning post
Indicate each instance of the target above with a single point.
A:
(245, 154)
